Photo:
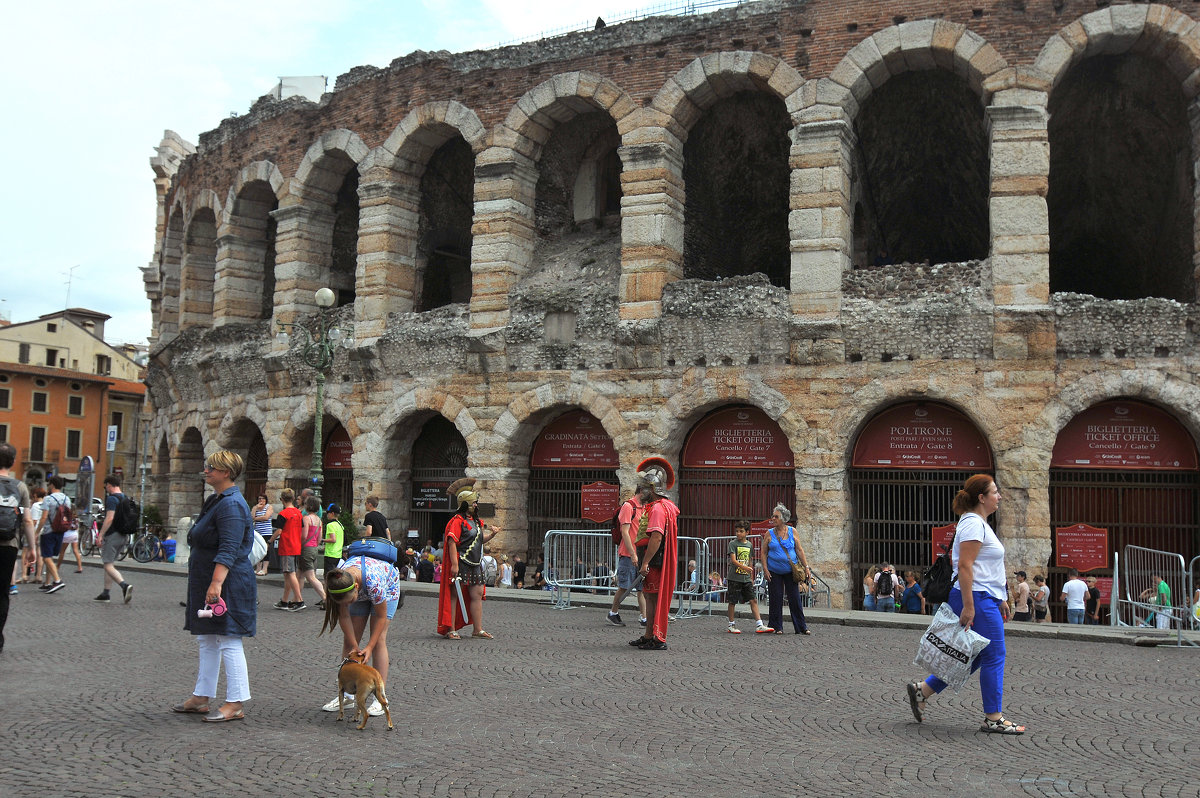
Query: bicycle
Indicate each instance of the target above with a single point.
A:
(88, 531)
(146, 546)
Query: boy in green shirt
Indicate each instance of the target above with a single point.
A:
(334, 536)
(739, 586)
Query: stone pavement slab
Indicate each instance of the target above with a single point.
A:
(559, 705)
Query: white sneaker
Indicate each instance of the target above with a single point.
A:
(332, 706)
(374, 709)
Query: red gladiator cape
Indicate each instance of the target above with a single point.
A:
(666, 590)
(451, 618)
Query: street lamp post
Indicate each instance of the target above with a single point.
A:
(318, 352)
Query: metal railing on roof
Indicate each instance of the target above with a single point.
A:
(674, 9)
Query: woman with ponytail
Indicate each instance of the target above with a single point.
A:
(980, 598)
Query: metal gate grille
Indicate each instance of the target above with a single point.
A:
(893, 513)
(439, 457)
(554, 501)
(1152, 509)
(256, 469)
(712, 499)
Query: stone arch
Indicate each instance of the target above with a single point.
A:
(170, 267)
(198, 270)
(318, 223)
(506, 181)
(235, 416)
(908, 47)
(522, 420)
(1124, 140)
(246, 246)
(669, 427)
(425, 224)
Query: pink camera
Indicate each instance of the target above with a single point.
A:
(212, 610)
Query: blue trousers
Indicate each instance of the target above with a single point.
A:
(990, 662)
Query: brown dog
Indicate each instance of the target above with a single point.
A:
(361, 680)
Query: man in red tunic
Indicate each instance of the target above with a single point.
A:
(657, 572)
(460, 597)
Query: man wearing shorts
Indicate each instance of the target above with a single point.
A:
(289, 553)
(112, 541)
(49, 541)
(739, 586)
(629, 516)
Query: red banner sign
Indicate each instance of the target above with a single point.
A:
(338, 449)
(922, 435)
(1081, 547)
(599, 501)
(575, 440)
(942, 535)
(739, 437)
(1124, 434)
(761, 527)
(1104, 585)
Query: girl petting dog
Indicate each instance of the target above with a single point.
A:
(362, 587)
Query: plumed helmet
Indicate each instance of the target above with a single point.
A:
(463, 490)
(656, 474)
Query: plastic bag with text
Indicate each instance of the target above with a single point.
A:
(947, 648)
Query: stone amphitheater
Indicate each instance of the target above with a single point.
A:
(835, 253)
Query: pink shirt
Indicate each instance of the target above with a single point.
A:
(630, 513)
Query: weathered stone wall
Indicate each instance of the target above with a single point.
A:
(603, 319)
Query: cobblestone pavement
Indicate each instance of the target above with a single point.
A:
(559, 705)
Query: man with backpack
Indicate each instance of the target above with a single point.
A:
(57, 517)
(120, 521)
(629, 517)
(15, 520)
(885, 591)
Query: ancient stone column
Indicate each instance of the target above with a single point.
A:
(819, 221)
(651, 220)
(385, 274)
(237, 289)
(503, 232)
(303, 250)
(1020, 227)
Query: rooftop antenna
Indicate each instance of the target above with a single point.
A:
(70, 276)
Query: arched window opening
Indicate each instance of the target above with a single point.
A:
(199, 270)
(344, 257)
(447, 208)
(909, 461)
(187, 499)
(169, 275)
(252, 219)
(736, 176)
(575, 174)
(1120, 198)
(439, 456)
(924, 179)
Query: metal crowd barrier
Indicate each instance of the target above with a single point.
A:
(1193, 595)
(1137, 604)
(573, 562)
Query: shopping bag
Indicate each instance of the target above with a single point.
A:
(947, 648)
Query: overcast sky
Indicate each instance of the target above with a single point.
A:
(92, 87)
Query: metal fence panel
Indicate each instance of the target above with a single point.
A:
(1138, 606)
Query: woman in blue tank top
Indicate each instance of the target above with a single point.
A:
(779, 550)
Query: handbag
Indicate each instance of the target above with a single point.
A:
(258, 549)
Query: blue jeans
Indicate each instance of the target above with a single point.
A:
(990, 662)
(885, 604)
(869, 603)
(1074, 616)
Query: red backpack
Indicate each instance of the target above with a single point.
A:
(63, 518)
(615, 524)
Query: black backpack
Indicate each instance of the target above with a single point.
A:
(127, 516)
(10, 509)
(885, 586)
(937, 581)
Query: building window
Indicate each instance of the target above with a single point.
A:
(41, 401)
(74, 405)
(51, 357)
(118, 421)
(51, 327)
(37, 444)
(3, 433)
(74, 444)
(5, 399)
(23, 353)
(103, 364)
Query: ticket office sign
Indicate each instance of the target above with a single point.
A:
(1081, 547)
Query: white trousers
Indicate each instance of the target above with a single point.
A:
(215, 649)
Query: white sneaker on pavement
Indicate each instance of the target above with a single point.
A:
(332, 706)
(374, 709)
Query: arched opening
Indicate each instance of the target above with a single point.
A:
(1130, 469)
(344, 239)
(735, 170)
(1120, 198)
(439, 456)
(923, 176)
(246, 440)
(737, 464)
(579, 173)
(337, 474)
(187, 495)
(570, 455)
(444, 235)
(908, 463)
(162, 478)
(253, 220)
(199, 270)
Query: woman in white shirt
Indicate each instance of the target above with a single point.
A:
(980, 597)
